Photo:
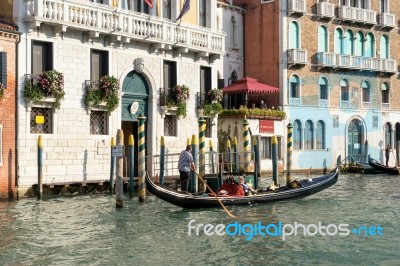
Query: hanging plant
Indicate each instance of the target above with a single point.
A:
(107, 92)
(48, 84)
(216, 95)
(180, 95)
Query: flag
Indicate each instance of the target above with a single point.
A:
(185, 9)
(149, 3)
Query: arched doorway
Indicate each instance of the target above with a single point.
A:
(134, 102)
(356, 141)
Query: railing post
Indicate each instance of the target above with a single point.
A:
(38, 8)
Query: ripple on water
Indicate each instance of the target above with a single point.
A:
(89, 230)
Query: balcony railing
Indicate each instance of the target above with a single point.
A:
(103, 19)
(387, 20)
(297, 6)
(201, 99)
(323, 102)
(344, 104)
(297, 56)
(295, 101)
(325, 10)
(385, 106)
(326, 59)
(355, 14)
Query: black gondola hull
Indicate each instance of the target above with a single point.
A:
(385, 169)
(283, 193)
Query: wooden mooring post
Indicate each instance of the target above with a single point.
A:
(112, 167)
(40, 168)
(131, 165)
(119, 182)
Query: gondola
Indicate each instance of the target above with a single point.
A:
(186, 200)
(385, 169)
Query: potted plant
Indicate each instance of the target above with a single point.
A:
(216, 95)
(106, 92)
(213, 106)
(49, 84)
(180, 94)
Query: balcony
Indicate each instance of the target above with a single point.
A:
(387, 20)
(122, 25)
(353, 62)
(297, 7)
(357, 15)
(297, 57)
(325, 10)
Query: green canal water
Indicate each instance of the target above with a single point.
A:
(89, 230)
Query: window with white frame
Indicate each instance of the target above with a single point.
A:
(294, 35)
(297, 135)
(41, 120)
(385, 95)
(344, 93)
(309, 135)
(322, 39)
(203, 13)
(323, 89)
(320, 135)
(99, 122)
(366, 93)
(233, 32)
(384, 51)
(294, 86)
(338, 37)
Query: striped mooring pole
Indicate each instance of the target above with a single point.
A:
(202, 147)
(275, 160)
(289, 152)
(236, 156)
(229, 153)
(256, 161)
(40, 168)
(162, 161)
(112, 167)
(141, 158)
(195, 149)
(131, 143)
(246, 145)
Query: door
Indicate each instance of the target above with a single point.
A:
(355, 141)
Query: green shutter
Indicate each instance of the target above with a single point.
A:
(3, 69)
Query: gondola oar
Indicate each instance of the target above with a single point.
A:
(215, 194)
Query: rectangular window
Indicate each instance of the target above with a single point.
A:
(3, 69)
(170, 127)
(167, 9)
(42, 57)
(202, 13)
(41, 120)
(169, 72)
(205, 81)
(365, 96)
(98, 123)
(385, 96)
(98, 64)
(266, 148)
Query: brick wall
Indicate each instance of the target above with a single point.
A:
(7, 118)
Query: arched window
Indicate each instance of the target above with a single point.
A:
(349, 43)
(358, 44)
(338, 41)
(369, 45)
(366, 93)
(294, 37)
(233, 31)
(388, 134)
(294, 90)
(297, 135)
(322, 39)
(309, 135)
(384, 52)
(323, 92)
(344, 93)
(385, 95)
(234, 77)
(320, 138)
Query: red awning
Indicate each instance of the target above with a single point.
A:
(249, 85)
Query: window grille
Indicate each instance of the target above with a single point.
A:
(98, 123)
(41, 120)
(170, 126)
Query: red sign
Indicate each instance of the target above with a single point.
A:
(266, 126)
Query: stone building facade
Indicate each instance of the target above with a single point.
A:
(336, 64)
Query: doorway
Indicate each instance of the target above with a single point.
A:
(130, 128)
(355, 141)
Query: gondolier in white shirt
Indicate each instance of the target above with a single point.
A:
(185, 164)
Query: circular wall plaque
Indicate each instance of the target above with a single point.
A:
(134, 107)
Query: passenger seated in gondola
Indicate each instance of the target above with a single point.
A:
(247, 190)
(231, 188)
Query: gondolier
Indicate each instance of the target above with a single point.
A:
(387, 153)
(185, 164)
